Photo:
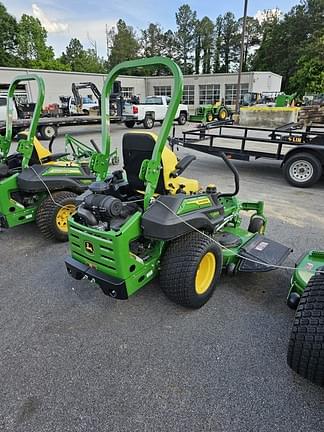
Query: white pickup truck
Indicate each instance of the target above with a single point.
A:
(3, 109)
(152, 110)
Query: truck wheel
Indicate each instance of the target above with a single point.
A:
(256, 225)
(190, 269)
(182, 119)
(47, 132)
(222, 114)
(130, 123)
(148, 122)
(51, 218)
(302, 170)
(306, 344)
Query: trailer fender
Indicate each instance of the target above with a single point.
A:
(315, 150)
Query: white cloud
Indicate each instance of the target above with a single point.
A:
(267, 14)
(52, 26)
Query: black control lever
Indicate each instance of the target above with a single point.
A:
(95, 145)
(231, 166)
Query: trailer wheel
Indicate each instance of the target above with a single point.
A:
(190, 269)
(306, 345)
(51, 218)
(47, 132)
(222, 114)
(182, 118)
(130, 124)
(302, 170)
(148, 122)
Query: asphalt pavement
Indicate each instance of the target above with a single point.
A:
(72, 359)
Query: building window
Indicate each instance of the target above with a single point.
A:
(188, 97)
(209, 93)
(230, 93)
(162, 91)
(127, 92)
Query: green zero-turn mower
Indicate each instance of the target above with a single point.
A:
(147, 221)
(36, 184)
(306, 344)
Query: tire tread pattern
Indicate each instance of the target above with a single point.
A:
(45, 217)
(306, 344)
(178, 269)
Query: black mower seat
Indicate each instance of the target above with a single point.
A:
(136, 148)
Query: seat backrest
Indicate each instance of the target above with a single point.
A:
(136, 148)
(39, 151)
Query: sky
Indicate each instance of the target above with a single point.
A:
(87, 19)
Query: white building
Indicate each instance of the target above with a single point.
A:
(198, 89)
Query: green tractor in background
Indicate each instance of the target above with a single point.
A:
(149, 220)
(210, 112)
(306, 294)
(36, 184)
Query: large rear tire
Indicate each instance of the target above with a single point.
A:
(52, 217)
(306, 344)
(222, 114)
(190, 270)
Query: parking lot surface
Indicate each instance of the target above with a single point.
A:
(72, 359)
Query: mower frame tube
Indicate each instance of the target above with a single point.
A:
(25, 146)
(150, 169)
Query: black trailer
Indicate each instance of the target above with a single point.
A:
(300, 150)
(48, 126)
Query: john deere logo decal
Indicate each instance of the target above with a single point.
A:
(89, 247)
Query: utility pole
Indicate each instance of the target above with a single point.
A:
(238, 89)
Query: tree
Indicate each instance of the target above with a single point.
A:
(74, 55)
(8, 38)
(124, 44)
(252, 37)
(207, 38)
(152, 41)
(80, 60)
(230, 42)
(284, 40)
(185, 36)
(32, 48)
(197, 47)
(217, 44)
(309, 77)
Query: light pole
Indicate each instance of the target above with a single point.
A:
(238, 89)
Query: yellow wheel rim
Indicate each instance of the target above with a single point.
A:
(62, 216)
(210, 117)
(205, 273)
(222, 115)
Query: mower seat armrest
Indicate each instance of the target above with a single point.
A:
(54, 157)
(182, 165)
